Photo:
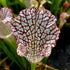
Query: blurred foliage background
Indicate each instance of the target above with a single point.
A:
(9, 60)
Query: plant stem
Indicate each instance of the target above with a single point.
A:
(33, 66)
(39, 3)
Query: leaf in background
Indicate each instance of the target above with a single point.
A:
(12, 48)
(28, 3)
(44, 60)
(4, 3)
(21, 2)
(3, 60)
(55, 5)
(4, 48)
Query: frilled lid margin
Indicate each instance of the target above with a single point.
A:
(36, 33)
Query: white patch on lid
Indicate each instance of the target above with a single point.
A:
(32, 10)
(16, 24)
(47, 37)
(52, 41)
(13, 29)
(22, 15)
(45, 45)
(29, 17)
(33, 31)
(40, 16)
(46, 18)
(45, 15)
(24, 34)
(41, 12)
(53, 37)
(25, 31)
(53, 31)
(19, 26)
(39, 34)
(38, 30)
(27, 28)
(57, 32)
(41, 30)
(33, 17)
(29, 31)
(30, 21)
(42, 23)
(33, 21)
(32, 27)
(50, 24)
(33, 14)
(38, 38)
(21, 29)
(46, 31)
(16, 33)
(17, 20)
(19, 32)
(23, 19)
(24, 24)
(20, 40)
(20, 36)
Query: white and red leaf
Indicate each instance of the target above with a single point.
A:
(5, 14)
(36, 31)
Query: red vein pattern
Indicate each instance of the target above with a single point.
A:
(5, 17)
(5, 14)
(36, 31)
